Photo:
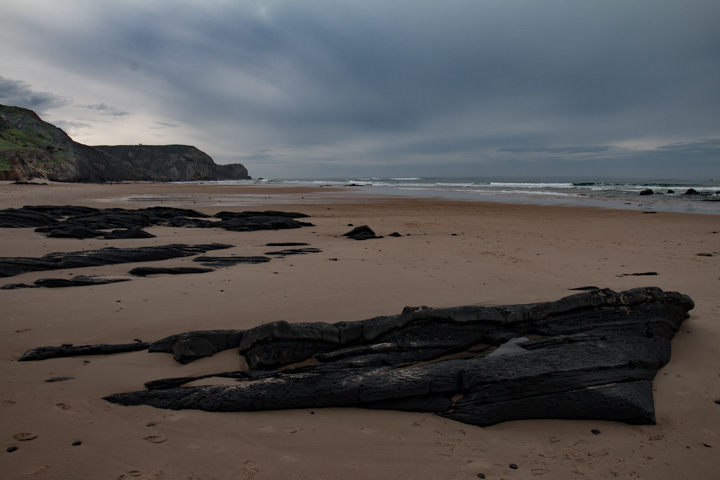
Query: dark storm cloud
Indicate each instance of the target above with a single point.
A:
(18, 93)
(398, 84)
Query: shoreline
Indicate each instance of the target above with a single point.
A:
(250, 195)
(451, 253)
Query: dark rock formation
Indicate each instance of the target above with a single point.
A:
(287, 244)
(44, 353)
(132, 232)
(83, 222)
(293, 251)
(78, 281)
(229, 261)
(363, 232)
(190, 346)
(146, 271)
(647, 191)
(252, 221)
(591, 355)
(105, 256)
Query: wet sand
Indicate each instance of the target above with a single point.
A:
(450, 253)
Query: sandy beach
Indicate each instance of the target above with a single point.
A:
(450, 253)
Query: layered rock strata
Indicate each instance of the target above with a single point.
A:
(592, 355)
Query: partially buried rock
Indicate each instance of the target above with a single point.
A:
(592, 355)
(229, 261)
(78, 281)
(363, 232)
(127, 233)
(647, 191)
(146, 271)
(10, 266)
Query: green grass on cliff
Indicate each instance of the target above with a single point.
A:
(13, 139)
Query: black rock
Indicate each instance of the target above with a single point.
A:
(106, 256)
(229, 261)
(593, 356)
(83, 222)
(59, 379)
(19, 218)
(190, 346)
(294, 251)
(70, 231)
(44, 353)
(363, 232)
(647, 191)
(132, 232)
(263, 222)
(287, 244)
(145, 271)
(78, 281)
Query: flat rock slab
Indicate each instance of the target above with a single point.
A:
(147, 271)
(77, 281)
(293, 251)
(106, 256)
(83, 222)
(592, 355)
(229, 261)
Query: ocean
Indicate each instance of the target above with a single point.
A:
(668, 195)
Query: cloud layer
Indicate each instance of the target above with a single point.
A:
(332, 88)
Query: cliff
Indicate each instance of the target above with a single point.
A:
(32, 148)
(173, 163)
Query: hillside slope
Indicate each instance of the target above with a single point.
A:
(32, 148)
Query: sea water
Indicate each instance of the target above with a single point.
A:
(668, 195)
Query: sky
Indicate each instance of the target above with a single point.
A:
(346, 88)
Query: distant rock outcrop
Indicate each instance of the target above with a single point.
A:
(173, 163)
(32, 148)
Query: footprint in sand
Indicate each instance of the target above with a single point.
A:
(25, 436)
(155, 438)
(63, 406)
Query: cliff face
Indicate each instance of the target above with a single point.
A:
(173, 163)
(31, 148)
